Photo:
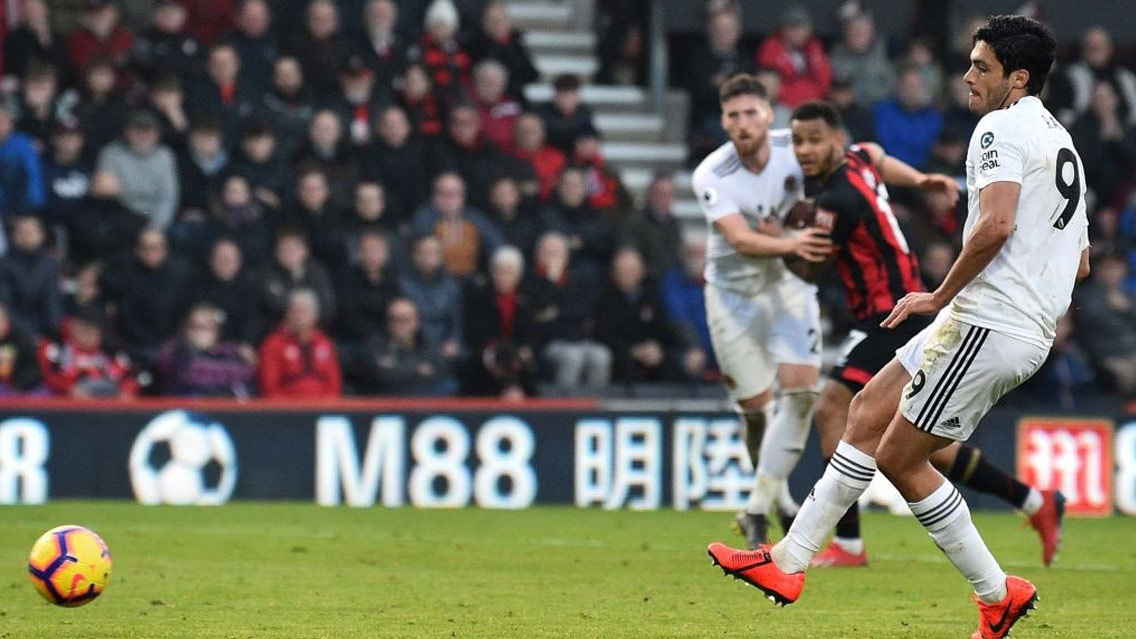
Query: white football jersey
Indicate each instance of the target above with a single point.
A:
(723, 185)
(1028, 285)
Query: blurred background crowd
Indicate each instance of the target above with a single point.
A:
(314, 198)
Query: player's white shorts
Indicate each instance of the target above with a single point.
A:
(958, 372)
(753, 334)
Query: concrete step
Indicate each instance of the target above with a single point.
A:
(687, 210)
(644, 155)
(540, 15)
(637, 181)
(598, 96)
(631, 127)
(541, 42)
(550, 66)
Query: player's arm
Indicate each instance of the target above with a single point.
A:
(1083, 269)
(997, 203)
(812, 244)
(896, 172)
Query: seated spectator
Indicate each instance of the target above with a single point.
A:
(606, 193)
(367, 289)
(935, 261)
(263, 166)
(66, 173)
(858, 121)
(321, 47)
(547, 161)
(81, 366)
(359, 100)
(328, 150)
(633, 323)
(287, 107)
(256, 44)
(1066, 380)
(436, 295)
(570, 214)
(446, 61)
(404, 362)
(21, 177)
(294, 268)
(19, 364)
(683, 292)
(565, 117)
(102, 227)
(501, 331)
(798, 57)
(202, 167)
(706, 69)
(317, 216)
(517, 225)
(209, 19)
(653, 230)
(369, 214)
(1106, 322)
(164, 47)
(221, 94)
(100, 36)
(398, 159)
(85, 290)
(198, 363)
(920, 55)
(228, 286)
(623, 56)
(498, 40)
(465, 151)
(1106, 145)
(380, 44)
(908, 124)
(466, 236)
(861, 57)
(167, 101)
(498, 110)
(1072, 87)
(35, 39)
(40, 101)
(102, 109)
(415, 94)
(566, 318)
(298, 360)
(237, 214)
(151, 292)
(146, 170)
(771, 80)
(29, 280)
(957, 118)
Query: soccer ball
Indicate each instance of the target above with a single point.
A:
(69, 565)
(183, 458)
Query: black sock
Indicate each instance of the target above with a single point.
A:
(971, 469)
(849, 525)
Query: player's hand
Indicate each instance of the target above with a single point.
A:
(945, 184)
(812, 245)
(912, 304)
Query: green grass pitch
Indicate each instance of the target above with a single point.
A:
(290, 570)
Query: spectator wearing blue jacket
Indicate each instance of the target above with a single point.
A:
(21, 179)
(436, 294)
(684, 299)
(907, 125)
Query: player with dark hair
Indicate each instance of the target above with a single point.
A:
(877, 269)
(1025, 245)
(764, 321)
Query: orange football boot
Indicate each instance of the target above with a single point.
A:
(1047, 523)
(996, 619)
(835, 556)
(756, 568)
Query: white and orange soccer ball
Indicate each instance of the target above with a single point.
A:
(69, 565)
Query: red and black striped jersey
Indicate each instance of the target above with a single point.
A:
(873, 260)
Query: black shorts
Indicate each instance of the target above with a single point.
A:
(869, 347)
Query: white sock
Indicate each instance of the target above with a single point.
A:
(946, 517)
(781, 448)
(1033, 502)
(845, 478)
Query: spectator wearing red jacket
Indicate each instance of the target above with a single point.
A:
(442, 53)
(798, 57)
(299, 360)
(100, 37)
(547, 161)
(79, 365)
(498, 111)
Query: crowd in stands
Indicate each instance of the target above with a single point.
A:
(311, 198)
(913, 101)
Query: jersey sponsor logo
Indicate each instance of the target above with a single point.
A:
(710, 196)
(825, 220)
(986, 140)
(989, 160)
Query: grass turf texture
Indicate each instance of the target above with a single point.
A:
(291, 570)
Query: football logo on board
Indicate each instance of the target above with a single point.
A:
(986, 140)
(183, 458)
